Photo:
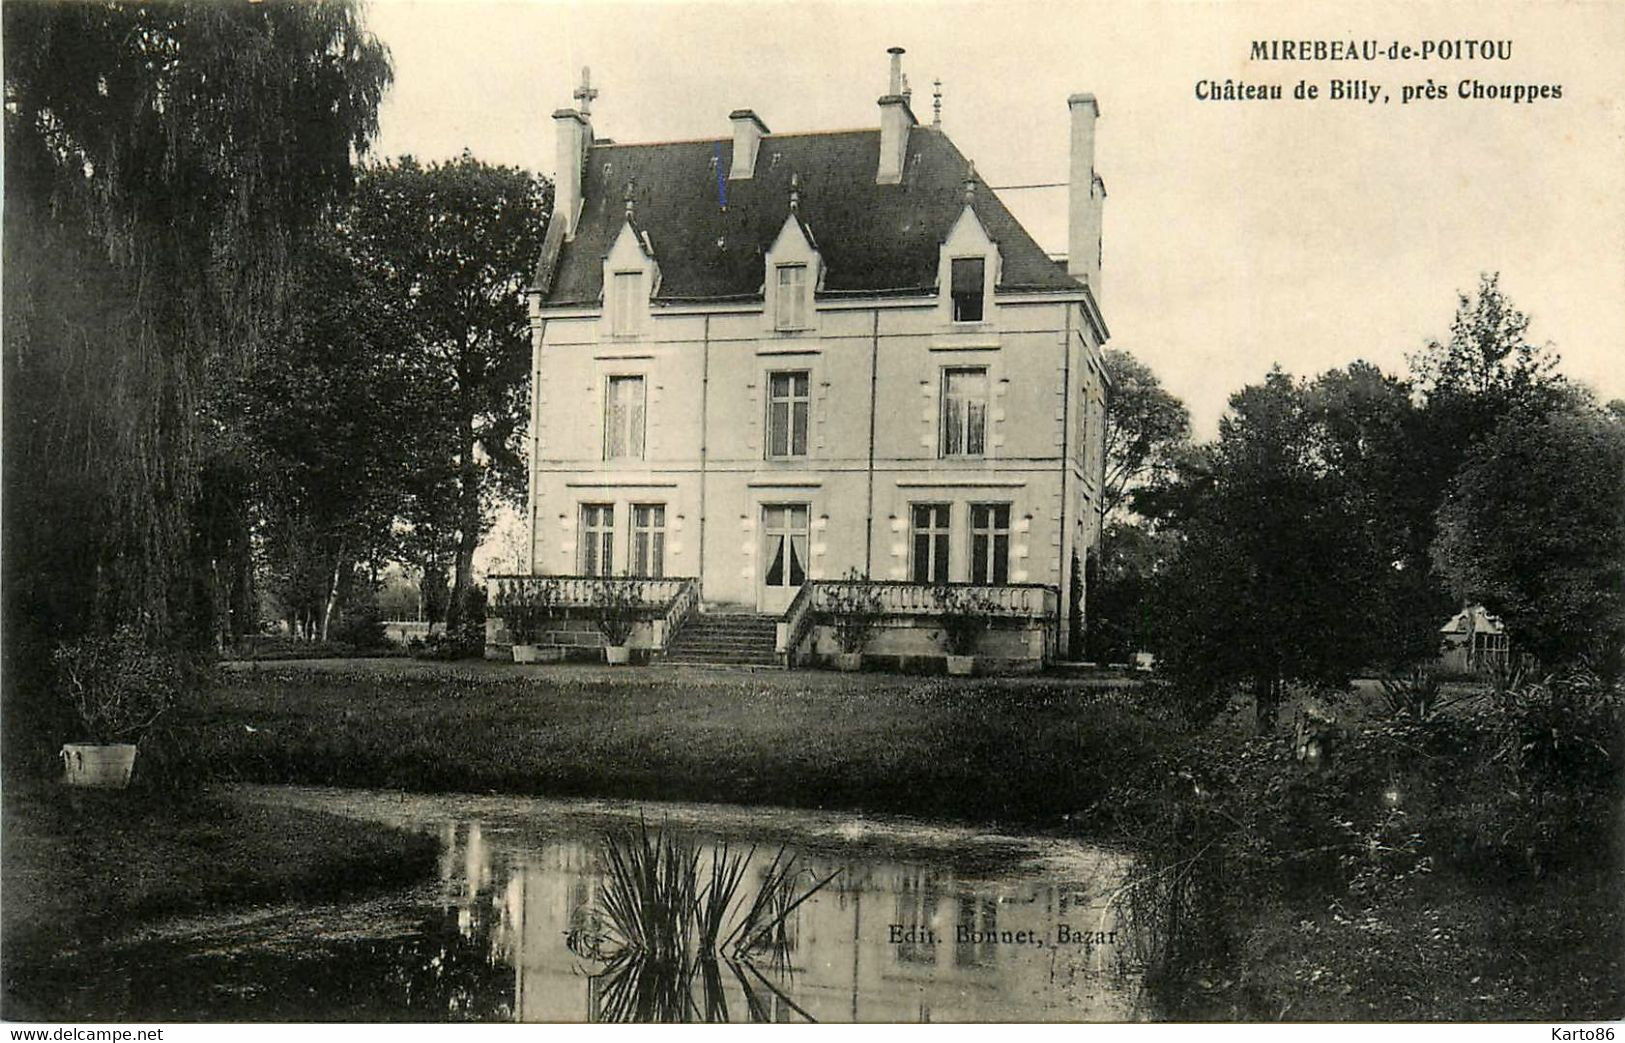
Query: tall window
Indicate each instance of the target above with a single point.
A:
(649, 540)
(990, 543)
(597, 539)
(966, 279)
(787, 404)
(623, 419)
(930, 543)
(964, 411)
(790, 302)
(623, 302)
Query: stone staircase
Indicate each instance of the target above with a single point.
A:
(725, 639)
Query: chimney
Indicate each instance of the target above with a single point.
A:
(572, 136)
(1086, 195)
(895, 121)
(748, 131)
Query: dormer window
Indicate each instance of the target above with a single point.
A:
(790, 302)
(624, 303)
(968, 287)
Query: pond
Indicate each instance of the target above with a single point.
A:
(546, 910)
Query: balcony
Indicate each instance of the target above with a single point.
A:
(564, 609)
(1023, 620)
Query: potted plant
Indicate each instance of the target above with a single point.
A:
(523, 606)
(964, 615)
(615, 609)
(854, 608)
(119, 687)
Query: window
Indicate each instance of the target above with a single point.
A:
(623, 302)
(649, 540)
(787, 404)
(790, 302)
(623, 419)
(930, 543)
(967, 275)
(990, 543)
(597, 539)
(964, 411)
(785, 533)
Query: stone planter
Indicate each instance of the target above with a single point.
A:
(99, 766)
(961, 665)
(849, 662)
(617, 655)
(527, 654)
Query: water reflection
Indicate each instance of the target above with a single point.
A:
(916, 923)
(882, 941)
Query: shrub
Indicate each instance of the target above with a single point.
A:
(523, 605)
(616, 607)
(470, 633)
(1417, 696)
(361, 626)
(964, 614)
(117, 685)
(854, 607)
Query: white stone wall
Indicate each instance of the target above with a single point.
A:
(705, 374)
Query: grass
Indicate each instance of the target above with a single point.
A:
(79, 864)
(1458, 949)
(1031, 753)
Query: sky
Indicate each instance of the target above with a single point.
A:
(1237, 235)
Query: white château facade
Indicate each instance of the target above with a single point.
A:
(765, 360)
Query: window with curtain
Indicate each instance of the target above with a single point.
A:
(790, 302)
(785, 533)
(930, 523)
(788, 402)
(964, 411)
(623, 419)
(990, 543)
(967, 278)
(649, 540)
(597, 539)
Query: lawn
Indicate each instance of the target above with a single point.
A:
(80, 865)
(1028, 752)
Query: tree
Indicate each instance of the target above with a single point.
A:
(1534, 528)
(1146, 429)
(161, 162)
(451, 246)
(1371, 434)
(319, 412)
(1267, 584)
(1132, 556)
(1487, 370)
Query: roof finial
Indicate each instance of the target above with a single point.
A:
(629, 203)
(795, 192)
(970, 183)
(586, 92)
(936, 104)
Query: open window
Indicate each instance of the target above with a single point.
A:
(968, 278)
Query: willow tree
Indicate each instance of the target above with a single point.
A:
(161, 163)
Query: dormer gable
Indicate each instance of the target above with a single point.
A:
(968, 268)
(793, 272)
(631, 280)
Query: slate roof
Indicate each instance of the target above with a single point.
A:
(874, 239)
